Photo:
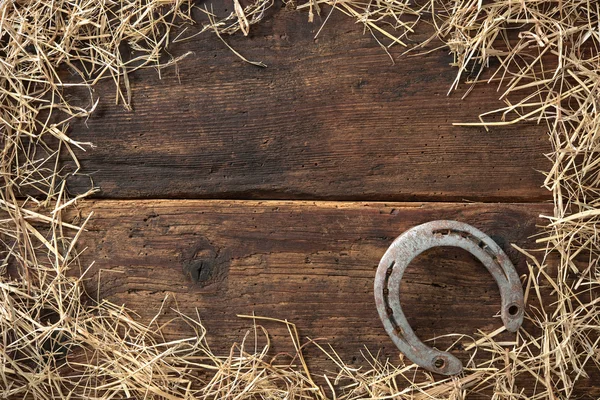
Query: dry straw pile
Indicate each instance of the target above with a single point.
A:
(57, 343)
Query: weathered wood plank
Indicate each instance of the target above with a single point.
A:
(310, 263)
(330, 118)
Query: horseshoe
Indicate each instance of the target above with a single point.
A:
(414, 242)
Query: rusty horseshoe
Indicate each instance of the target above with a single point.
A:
(414, 242)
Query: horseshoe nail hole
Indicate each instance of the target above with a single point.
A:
(439, 363)
(513, 310)
(388, 272)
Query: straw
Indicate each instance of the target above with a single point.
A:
(56, 342)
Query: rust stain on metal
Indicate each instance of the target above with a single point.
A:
(414, 242)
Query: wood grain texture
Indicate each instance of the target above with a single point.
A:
(312, 263)
(330, 118)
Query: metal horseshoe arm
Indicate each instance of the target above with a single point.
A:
(414, 242)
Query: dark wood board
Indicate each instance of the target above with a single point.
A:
(330, 118)
(312, 263)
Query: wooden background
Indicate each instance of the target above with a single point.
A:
(276, 191)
